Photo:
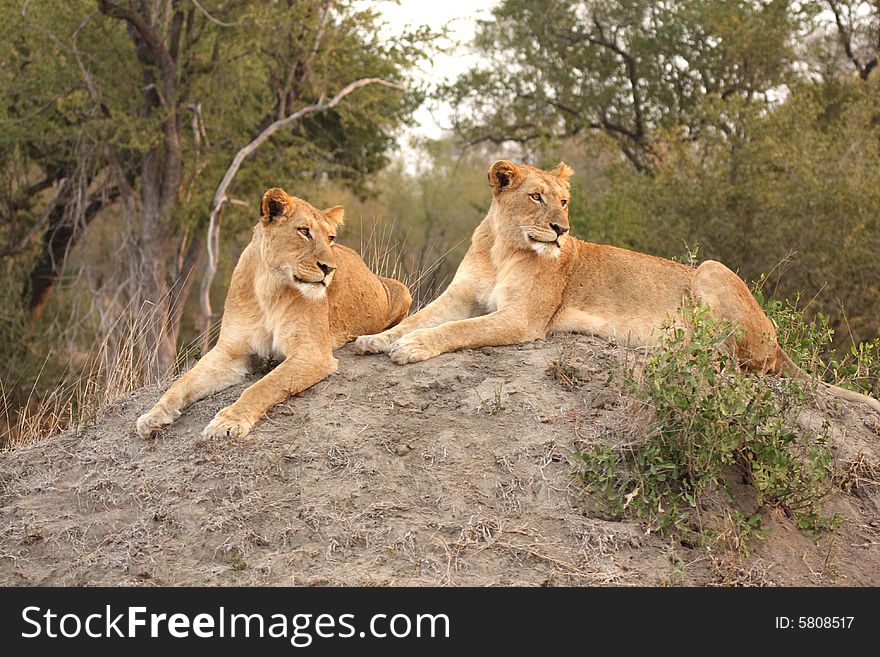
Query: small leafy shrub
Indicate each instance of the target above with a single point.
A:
(713, 423)
(239, 562)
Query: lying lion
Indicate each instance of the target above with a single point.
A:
(294, 293)
(524, 276)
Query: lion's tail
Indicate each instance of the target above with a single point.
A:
(785, 365)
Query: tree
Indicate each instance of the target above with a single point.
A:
(51, 143)
(628, 69)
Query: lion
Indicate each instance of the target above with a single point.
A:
(295, 294)
(525, 276)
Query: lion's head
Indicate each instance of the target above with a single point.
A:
(298, 241)
(532, 205)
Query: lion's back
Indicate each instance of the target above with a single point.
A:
(361, 302)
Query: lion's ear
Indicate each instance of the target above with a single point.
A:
(335, 214)
(276, 203)
(562, 171)
(502, 175)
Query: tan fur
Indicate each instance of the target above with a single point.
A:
(522, 278)
(281, 303)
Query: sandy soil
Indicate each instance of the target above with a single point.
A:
(452, 472)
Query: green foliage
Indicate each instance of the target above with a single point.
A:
(625, 68)
(808, 342)
(795, 198)
(712, 424)
(72, 87)
(691, 121)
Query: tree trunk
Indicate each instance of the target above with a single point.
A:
(156, 286)
(153, 276)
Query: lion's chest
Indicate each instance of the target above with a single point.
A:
(270, 333)
(496, 281)
(488, 299)
(267, 343)
(495, 290)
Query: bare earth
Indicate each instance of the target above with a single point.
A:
(455, 471)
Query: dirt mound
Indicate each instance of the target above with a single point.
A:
(455, 471)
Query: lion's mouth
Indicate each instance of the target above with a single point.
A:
(322, 282)
(537, 241)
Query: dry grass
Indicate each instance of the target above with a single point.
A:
(857, 475)
(113, 367)
(376, 495)
(729, 571)
(522, 544)
(564, 368)
(388, 255)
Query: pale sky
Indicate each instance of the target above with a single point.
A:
(462, 16)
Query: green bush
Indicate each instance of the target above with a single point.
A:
(810, 345)
(712, 424)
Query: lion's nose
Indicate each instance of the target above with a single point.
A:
(325, 268)
(559, 230)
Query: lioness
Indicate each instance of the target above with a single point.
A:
(294, 293)
(524, 276)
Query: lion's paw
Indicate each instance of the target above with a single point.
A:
(412, 348)
(227, 424)
(153, 420)
(372, 344)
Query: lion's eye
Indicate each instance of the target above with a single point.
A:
(305, 233)
(536, 197)
(331, 239)
(564, 202)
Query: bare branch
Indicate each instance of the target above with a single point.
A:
(299, 72)
(844, 32)
(87, 76)
(110, 150)
(631, 74)
(204, 12)
(319, 36)
(160, 54)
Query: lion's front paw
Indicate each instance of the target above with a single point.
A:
(372, 344)
(228, 423)
(150, 422)
(412, 348)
